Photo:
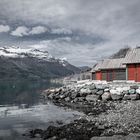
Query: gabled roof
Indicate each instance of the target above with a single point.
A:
(133, 56)
(109, 64)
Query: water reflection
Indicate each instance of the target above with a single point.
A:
(18, 120)
(20, 109)
(20, 92)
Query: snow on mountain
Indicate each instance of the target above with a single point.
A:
(22, 52)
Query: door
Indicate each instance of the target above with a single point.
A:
(131, 72)
(98, 75)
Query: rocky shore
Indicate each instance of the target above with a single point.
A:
(112, 111)
(92, 91)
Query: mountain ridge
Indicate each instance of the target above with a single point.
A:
(21, 63)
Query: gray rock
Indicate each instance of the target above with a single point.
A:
(80, 99)
(106, 96)
(132, 91)
(138, 91)
(94, 91)
(134, 96)
(134, 87)
(67, 99)
(116, 96)
(74, 95)
(106, 90)
(100, 87)
(126, 97)
(51, 96)
(92, 87)
(85, 90)
(91, 98)
(100, 92)
(62, 96)
(125, 92)
(75, 100)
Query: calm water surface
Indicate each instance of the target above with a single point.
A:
(21, 109)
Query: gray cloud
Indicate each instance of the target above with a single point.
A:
(38, 30)
(4, 28)
(61, 31)
(96, 28)
(20, 31)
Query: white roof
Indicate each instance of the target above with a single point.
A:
(110, 64)
(133, 56)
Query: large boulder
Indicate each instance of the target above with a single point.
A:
(126, 97)
(138, 91)
(134, 96)
(132, 91)
(100, 92)
(116, 95)
(117, 92)
(84, 92)
(100, 87)
(134, 87)
(106, 96)
(91, 98)
(119, 89)
(126, 88)
(94, 91)
(131, 97)
(92, 87)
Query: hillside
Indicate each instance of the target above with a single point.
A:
(18, 63)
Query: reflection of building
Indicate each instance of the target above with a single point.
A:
(127, 68)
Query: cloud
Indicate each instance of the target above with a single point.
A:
(38, 30)
(4, 28)
(61, 31)
(115, 23)
(20, 31)
(25, 31)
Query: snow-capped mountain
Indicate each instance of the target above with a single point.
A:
(21, 52)
(32, 63)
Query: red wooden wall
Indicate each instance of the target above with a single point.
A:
(133, 72)
(138, 73)
(98, 75)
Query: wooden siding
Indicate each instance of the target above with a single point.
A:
(137, 72)
(104, 75)
(120, 74)
(133, 72)
(98, 75)
(115, 74)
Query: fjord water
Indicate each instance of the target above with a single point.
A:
(21, 109)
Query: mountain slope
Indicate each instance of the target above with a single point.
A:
(16, 63)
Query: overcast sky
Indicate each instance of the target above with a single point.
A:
(83, 31)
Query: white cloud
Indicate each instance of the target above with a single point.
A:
(61, 31)
(20, 31)
(38, 30)
(25, 31)
(4, 28)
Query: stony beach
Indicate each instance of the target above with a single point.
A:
(112, 111)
